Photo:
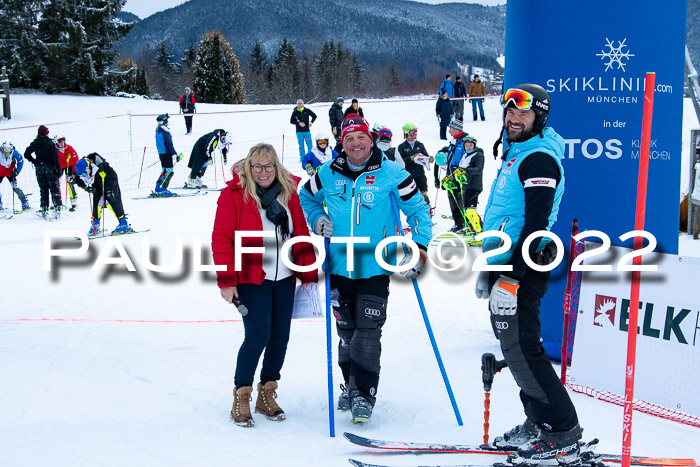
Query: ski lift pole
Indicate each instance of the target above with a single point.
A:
(428, 328)
(489, 367)
(329, 348)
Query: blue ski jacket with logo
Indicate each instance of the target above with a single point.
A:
(505, 210)
(359, 205)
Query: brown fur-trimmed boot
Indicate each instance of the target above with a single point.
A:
(240, 412)
(266, 403)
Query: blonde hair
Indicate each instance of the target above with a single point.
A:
(244, 170)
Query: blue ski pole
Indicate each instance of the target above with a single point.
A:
(395, 208)
(329, 350)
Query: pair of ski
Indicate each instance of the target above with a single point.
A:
(103, 235)
(587, 456)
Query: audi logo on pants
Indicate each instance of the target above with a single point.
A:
(502, 325)
(372, 312)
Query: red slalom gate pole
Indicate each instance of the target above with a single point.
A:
(636, 275)
(142, 159)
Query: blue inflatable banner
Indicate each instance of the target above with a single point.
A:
(592, 58)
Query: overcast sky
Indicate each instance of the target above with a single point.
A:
(143, 8)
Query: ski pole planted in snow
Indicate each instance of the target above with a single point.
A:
(397, 217)
(489, 367)
(329, 348)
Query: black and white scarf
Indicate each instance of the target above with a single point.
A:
(275, 212)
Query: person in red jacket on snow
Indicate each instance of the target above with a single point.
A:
(67, 157)
(262, 196)
(187, 107)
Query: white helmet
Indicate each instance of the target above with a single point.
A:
(7, 147)
(57, 138)
(226, 139)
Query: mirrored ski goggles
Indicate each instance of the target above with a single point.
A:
(520, 99)
(412, 132)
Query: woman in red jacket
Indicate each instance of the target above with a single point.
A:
(261, 196)
(67, 158)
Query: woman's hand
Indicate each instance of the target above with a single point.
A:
(227, 293)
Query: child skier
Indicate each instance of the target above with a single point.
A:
(415, 158)
(96, 176)
(168, 157)
(67, 157)
(11, 162)
(319, 155)
(202, 155)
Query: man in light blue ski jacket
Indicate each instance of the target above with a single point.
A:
(525, 199)
(357, 188)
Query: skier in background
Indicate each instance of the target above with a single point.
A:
(94, 175)
(415, 158)
(187, 107)
(443, 112)
(47, 169)
(202, 155)
(382, 138)
(335, 117)
(525, 199)
(67, 157)
(11, 162)
(319, 155)
(168, 157)
(302, 118)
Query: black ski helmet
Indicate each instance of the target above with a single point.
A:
(540, 103)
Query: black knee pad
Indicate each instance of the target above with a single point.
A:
(341, 311)
(366, 349)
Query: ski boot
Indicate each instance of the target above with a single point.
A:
(191, 183)
(123, 227)
(538, 450)
(73, 205)
(25, 205)
(43, 213)
(94, 228)
(517, 436)
(456, 229)
(200, 184)
(361, 410)
(344, 399)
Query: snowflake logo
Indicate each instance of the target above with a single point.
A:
(615, 55)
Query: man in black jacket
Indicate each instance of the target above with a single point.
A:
(303, 118)
(336, 117)
(458, 102)
(443, 111)
(47, 170)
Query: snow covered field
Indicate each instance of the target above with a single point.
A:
(118, 368)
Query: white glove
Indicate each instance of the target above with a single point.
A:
(324, 227)
(422, 160)
(482, 285)
(504, 296)
(415, 271)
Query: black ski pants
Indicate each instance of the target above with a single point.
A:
(267, 326)
(360, 315)
(47, 178)
(543, 396)
(112, 196)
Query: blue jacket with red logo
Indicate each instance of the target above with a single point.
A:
(359, 205)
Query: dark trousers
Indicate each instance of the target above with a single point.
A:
(70, 181)
(470, 198)
(543, 396)
(267, 325)
(443, 131)
(360, 315)
(188, 123)
(456, 206)
(47, 178)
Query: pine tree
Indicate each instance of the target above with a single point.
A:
(217, 72)
(61, 44)
(141, 82)
(286, 74)
(258, 82)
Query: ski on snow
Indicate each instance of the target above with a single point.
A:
(175, 195)
(400, 446)
(357, 463)
(93, 237)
